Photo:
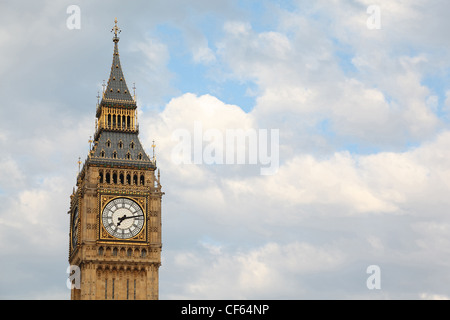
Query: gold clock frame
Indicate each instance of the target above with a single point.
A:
(105, 237)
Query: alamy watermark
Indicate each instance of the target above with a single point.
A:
(374, 280)
(232, 146)
(74, 279)
(74, 20)
(374, 20)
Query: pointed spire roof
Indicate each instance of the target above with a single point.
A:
(116, 88)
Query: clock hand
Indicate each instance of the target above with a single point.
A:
(125, 217)
(121, 219)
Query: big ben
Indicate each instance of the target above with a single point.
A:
(115, 208)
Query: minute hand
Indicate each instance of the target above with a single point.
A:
(125, 217)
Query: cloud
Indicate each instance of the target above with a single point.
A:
(270, 270)
(351, 203)
(317, 73)
(364, 171)
(36, 215)
(428, 296)
(151, 76)
(195, 115)
(10, 174)
(204, 55)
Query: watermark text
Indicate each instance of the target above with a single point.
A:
(232, 146)
(73, 21)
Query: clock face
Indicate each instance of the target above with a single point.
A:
(75, 228)
(123, 218)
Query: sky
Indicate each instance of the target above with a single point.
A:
(353, 96)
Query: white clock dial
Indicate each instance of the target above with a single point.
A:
(75, 228)
(123, 218)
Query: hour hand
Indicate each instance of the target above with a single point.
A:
(121, 219)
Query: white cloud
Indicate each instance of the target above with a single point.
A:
(322, 77)
(433, 296)
(335, 193)
(446, 107)
(379, 102)
(151, 76)
(385, 182)
(185, 113)
(36, 217)
(11, 176)
(262, 272)
(204, 55)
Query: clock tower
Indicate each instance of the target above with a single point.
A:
(115, 208)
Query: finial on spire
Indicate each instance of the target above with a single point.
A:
(79, 164)
(116, 30)
(153, 146)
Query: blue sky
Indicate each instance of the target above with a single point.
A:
(363, 120)
(202, 78)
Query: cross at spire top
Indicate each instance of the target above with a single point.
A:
(116, 30)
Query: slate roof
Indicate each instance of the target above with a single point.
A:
(125, 145)
(119, 148)
(116, 88)
(114, 146)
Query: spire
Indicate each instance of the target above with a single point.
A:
(116, 88)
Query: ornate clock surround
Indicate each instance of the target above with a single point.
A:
(105, 237)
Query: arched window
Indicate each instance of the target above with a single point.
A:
(142, 179)
(100, 176)
(108, 177)
(109, 120)
(128, 155)
(120, 144)
(128, 179)
(132, 145)
(135, 179)
(114, 177)
(102, 153)
(100, 251)
(143, 253)
(115, 155)
(121, 178)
